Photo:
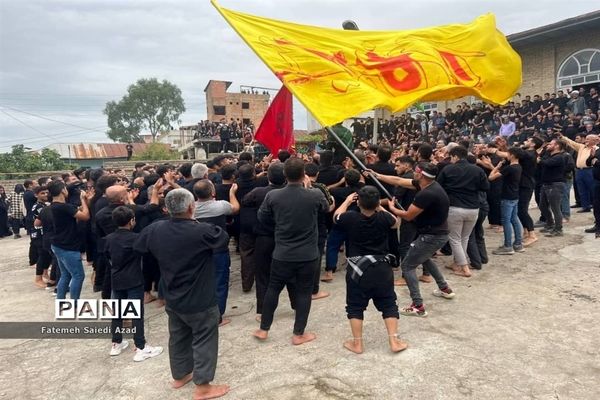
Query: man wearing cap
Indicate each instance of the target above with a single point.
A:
(429, 210)
(583, 174)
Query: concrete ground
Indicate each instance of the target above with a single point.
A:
(525, 327)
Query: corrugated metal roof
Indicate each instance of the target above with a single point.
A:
(86, 151)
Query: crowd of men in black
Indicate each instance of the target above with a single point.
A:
(166, 229)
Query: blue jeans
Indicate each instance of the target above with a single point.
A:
(222, 262)
(71, 272)
(134, 293)
(565, 204)
(336, 238)
(510, 222)
(585, 184)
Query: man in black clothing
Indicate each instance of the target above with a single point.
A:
(527, 187)
(328, 172)
(312, 171)
(429, 210)
(264, 233)
(127, 282)
(293, 211)
(369, 275)
(224, 135)
(594, 162)
(555, 164)
(29, 200)
(382, 166)
(44, 258)
(183, 248)
(336, 237)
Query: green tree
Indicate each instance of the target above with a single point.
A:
(148, 104)
(19, 160)
(157, 151)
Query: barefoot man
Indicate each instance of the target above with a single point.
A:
(293, 211)
(183, 248)
(369, 274)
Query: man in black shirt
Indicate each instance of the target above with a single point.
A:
(44, 258)
(294, 211)
(369, 275)
(462, 182)
(382, 166)
(328, 172)
(527, 186)
(127, 282)
(29, 199)
(183, 248)
(264, 240)
(510, 171)
(336, 237)
(408, 229)
(555, 164)
(65, 240)
(429, 210)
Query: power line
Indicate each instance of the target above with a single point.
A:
(27, 125)
(56, 136)
(50, 119)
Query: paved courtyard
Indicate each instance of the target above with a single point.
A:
(526, 327)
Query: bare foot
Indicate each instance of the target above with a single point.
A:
(160, 303)
(328, 277)
(320, 295)
(148, 298)
(397, 345)
(224, 322)
(305, 338)
(400, 282)
(354, 345)
(426, 278)
(261, 335)
(39, 283)
(258, 318)
(451, 266)
(46, 277)
(205, 392)
(531, 239)
(462, 271)
(179, 383)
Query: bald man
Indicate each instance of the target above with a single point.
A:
(116, 195)
(583, 174)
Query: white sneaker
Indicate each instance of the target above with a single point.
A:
(117, 348)
(147, 352)
(441, 293)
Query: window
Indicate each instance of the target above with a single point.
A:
(245, 106)
(219, 110)
(582, 66)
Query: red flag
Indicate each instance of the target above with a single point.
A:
(276, 131)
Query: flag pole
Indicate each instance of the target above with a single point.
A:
(361, 166)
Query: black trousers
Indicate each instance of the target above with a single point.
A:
(550, 204)
(523, 208)
(377, 284)
(299, 273)
(248, 267)
(33, 251)
(151, 272)
(44, 258)
(476, 250)
(263, 257)
(493, 198)
(15, 225)
(194, 344)
(55, 270)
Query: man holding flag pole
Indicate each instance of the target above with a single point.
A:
(338, 74)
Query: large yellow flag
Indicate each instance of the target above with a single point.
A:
(339, 74)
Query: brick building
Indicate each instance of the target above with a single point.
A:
(242, 107)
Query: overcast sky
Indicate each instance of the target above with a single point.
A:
(61, 61)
